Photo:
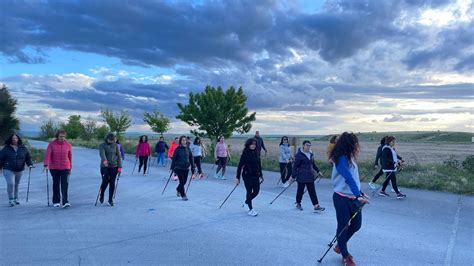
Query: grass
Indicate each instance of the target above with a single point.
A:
(415, 136)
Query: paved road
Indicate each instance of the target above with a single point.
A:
(146, 228)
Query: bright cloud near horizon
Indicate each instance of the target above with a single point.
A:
(307, 67)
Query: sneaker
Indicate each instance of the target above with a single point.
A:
(201, 176)
(66, 205)
(285, 185)
(57, 205)
(223, 177)
(185, 198)
(16, 202)
(11, 203)
(348, 261)
(372, 185)
(101, 199)
(400, 195)
(193, 176)
(298, 206)
(216, 176)
(111, 203)
(383, 194)
(178, 194)
(319, 209)
(253, 213)
(175, 178)
(337, 249)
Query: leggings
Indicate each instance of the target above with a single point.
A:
(183, 177)
(252, 185)
(109, 176)
(13, 182)
(197, 161)
(221, 164)
(345, 209)
(390, 177)
(379, 174)
(143, 162)
(311, 192)
(285, 171)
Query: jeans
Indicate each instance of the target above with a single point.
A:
(345, 209)
(13, 182)
(252, 185)
(60, 185)
(161, 158)
(109, 175)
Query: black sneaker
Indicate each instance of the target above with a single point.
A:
(319, 209)
(101, 199)
(383, 194)
(111, 203)
(401, 195)
(298, 206)
(185, 198)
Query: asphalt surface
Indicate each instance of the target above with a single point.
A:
(148, 228)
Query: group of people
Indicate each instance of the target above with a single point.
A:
(186, 156)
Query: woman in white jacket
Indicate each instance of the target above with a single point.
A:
(285, 160)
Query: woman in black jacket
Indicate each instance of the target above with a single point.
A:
(182, 160)
(390, 162)
(251, 170)
(305, 172)
(13, 157)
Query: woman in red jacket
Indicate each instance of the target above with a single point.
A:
(143, 151)
(58, 159)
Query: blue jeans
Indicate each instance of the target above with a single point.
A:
(160, 157)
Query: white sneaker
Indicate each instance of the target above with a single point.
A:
(216, 176)
(393, 190)
(57, 205)
(223, 177)
(285, 185)
(372, 185)
(253, 213)
(67, 205)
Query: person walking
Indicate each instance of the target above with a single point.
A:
(390, 163)
(376, 164)
(332, 142)
(250, 168)
(122, 152)
(347, 197)
(173, 146)
(182, 161)
(197, 151)
(305, 173)
(160, 149)
(260, 143)
(221, 155)
(285, 159)
(142, 153)
(110, 166)
(58, 160)
(13, 158)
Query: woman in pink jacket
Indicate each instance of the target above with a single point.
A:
(58, 159)
(221, 155)
(143, 151)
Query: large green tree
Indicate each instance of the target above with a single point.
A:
(90, 128)
(74, 127)
(8, 121)
(215, 112)
(157, 122)
(118, 122)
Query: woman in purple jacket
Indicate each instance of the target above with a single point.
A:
(305, 172)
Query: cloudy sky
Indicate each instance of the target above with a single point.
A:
(307, 67)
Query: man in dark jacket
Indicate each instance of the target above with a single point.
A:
(260, 143)
(160, 150)
(305, 172)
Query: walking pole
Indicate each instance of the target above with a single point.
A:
(212, 168)
(282, 192)
(98, 194)
(169, 178)
(236, 185)
(148, 166)
(116, 184)
(333, 241)
(28, 190)
(47, 186)
(189, 184)
(135, 165)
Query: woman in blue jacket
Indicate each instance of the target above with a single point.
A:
(305, 172)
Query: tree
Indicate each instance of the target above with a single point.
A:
(48, 129)
(101, 132)
(74, 127)
(216, 112)
(118, 122)
(90, 128)
(157, 122)
(8, 121)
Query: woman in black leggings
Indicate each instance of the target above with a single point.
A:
(251, 170)
(182, 161)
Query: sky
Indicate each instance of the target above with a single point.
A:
(307, 67)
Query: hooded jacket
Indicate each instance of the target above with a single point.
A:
(303, 168)
(15, 160)
(143, 149)
(249, 165)
(173, 147)
(110, 152)
(161, 147)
